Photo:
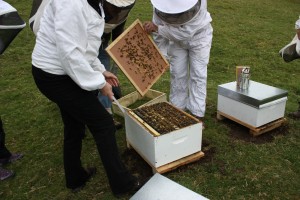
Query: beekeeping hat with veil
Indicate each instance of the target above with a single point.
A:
(116, 11)
(176, 11)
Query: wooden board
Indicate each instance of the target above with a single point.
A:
(268, 127)
(136, 54)
(133, 97)
(255, 131)
(183, 161)
(172, 165)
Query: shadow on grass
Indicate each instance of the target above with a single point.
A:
(136, 165)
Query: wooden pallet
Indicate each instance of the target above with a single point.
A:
(173, 165)
(183, 161)
(255, 131)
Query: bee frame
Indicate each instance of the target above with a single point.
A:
(139, 58)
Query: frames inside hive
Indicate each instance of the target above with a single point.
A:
(164, 118)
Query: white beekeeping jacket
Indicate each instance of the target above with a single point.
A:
(70, 45)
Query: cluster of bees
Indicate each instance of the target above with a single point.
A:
(163, 117)
(140, 57)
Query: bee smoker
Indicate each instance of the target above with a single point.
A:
(245, 78)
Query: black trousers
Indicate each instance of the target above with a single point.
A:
(80, 108)
(4, 152)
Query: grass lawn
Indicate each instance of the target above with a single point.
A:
(235, 165)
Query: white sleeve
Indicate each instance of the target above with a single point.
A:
(161, 41)
(98, 66)
(71, 38)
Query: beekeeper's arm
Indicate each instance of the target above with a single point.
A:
(161, 41)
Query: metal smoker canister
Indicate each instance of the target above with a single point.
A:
(245, 78)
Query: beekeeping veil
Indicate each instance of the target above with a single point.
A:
(116, 11)
(176, 11)
(10, 24)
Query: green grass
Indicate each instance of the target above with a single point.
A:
(235, 165)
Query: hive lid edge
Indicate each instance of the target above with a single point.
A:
(256, 95)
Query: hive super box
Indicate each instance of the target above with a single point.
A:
(166, 148)
(258, 105)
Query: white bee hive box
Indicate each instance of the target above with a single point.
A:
(257, 106)
(161, 149)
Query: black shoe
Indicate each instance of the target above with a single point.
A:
(5, 174)
(91, 171)
(135, 187)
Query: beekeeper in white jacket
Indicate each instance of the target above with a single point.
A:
(183, 33)
(67, 71)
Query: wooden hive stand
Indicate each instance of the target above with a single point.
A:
(183, 161)
(172, 165)
(255, 131)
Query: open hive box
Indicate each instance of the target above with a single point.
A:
(164, 136)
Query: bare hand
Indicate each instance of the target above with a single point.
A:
(150, 27)
(111, 78)
(107, 91)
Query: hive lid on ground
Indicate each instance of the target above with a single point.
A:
(257, 94)
(139, 58)
(160, 187)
